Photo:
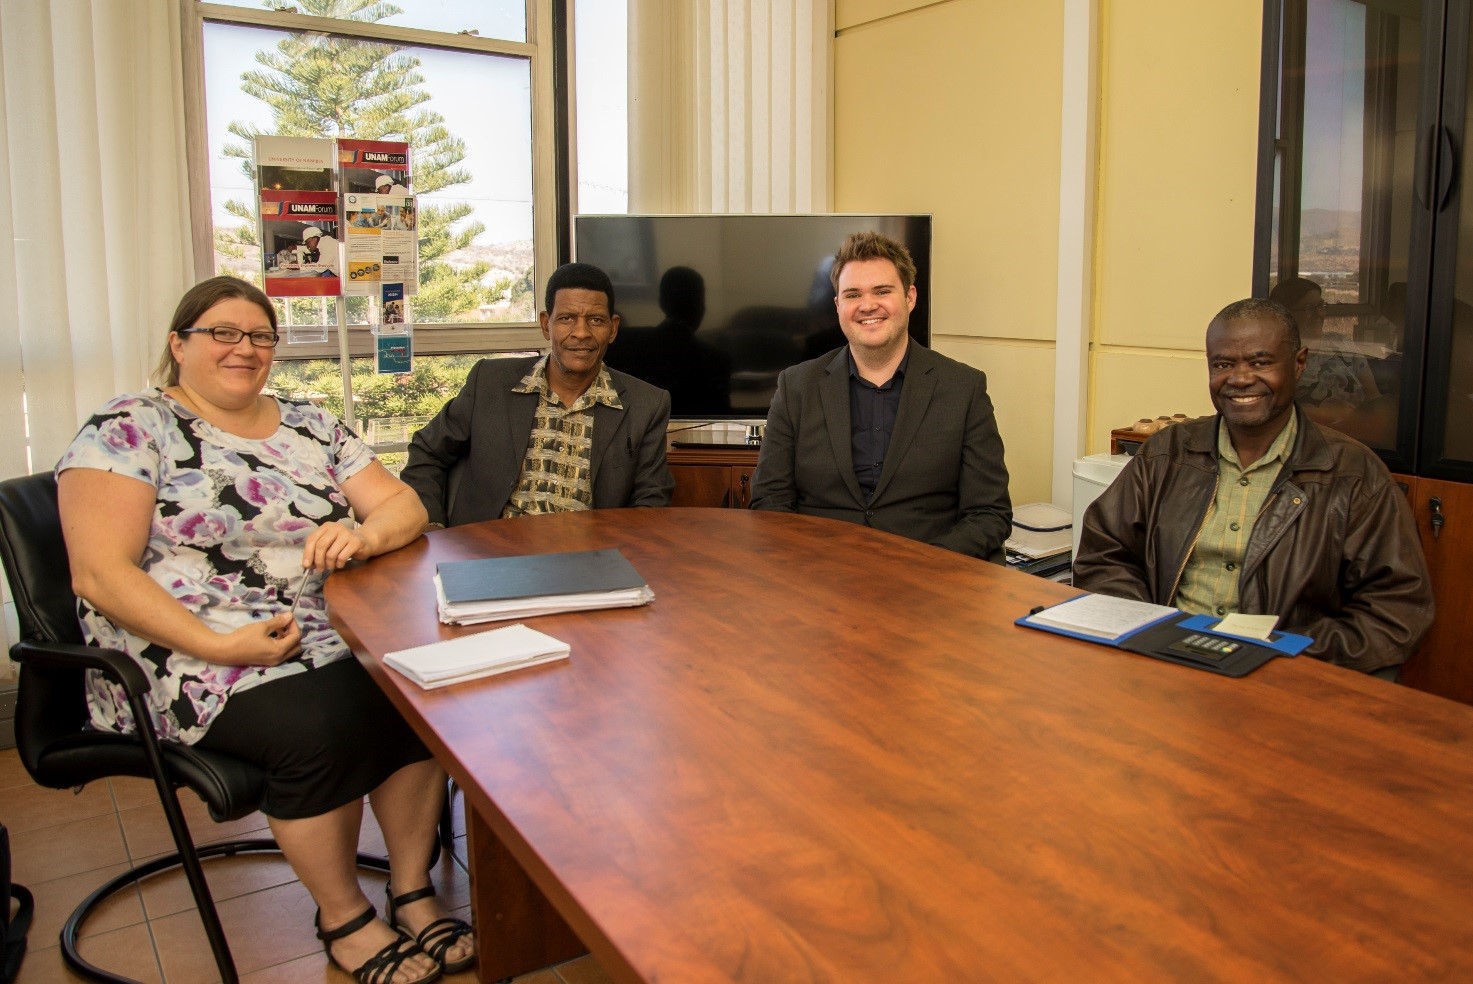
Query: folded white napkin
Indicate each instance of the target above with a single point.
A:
(440, 664)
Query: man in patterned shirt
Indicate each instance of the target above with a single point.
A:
(1261, 510)
(552, 434)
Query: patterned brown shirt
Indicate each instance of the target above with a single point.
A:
(557, 470)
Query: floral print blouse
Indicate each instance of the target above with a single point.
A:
(230, 519)
(1332, 373)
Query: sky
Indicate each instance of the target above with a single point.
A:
(601, 53)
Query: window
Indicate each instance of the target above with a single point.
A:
(601, 52)
(468, 84)
(504, 20)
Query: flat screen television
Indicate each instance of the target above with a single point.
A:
(713, 307)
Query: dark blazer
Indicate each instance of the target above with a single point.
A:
(943, 481)
(487, 426)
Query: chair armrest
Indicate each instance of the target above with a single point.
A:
(119, 666)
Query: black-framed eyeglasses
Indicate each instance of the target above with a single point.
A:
(232, 336)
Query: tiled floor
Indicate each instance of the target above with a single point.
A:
(63, 846)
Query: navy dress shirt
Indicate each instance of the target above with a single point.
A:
(872, 411)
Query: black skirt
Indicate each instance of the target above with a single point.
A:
(325, 737)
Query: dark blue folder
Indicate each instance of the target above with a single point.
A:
(537, 575)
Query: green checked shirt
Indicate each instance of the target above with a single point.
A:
(557, 471)
(1209, 582)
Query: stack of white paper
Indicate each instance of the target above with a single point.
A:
(440, 664)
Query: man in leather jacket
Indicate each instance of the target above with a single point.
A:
(1260, 510)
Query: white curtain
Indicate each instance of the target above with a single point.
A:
(729, 105)
(94, 225)
(94, 243)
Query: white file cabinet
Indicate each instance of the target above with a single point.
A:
(1092, 475)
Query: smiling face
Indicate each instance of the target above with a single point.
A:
(580, 328)
(1252, 371)
(228, 376)
(874, 309)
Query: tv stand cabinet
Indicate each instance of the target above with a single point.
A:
(715, 477)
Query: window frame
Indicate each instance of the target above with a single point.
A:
(548, 136)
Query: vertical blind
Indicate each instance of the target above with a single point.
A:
(729, 105)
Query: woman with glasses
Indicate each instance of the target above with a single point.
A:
(1336, 379)
(201, 519)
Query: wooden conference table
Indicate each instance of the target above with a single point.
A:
(827, 754)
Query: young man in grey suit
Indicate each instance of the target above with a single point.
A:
(883, 431)
(558, 433)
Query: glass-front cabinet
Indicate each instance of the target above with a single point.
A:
(1365, 231)
(1365, 226)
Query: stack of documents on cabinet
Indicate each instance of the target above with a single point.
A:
(1040, 529)
(471, 657)
(471, 591)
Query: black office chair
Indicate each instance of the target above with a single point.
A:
(60, 750)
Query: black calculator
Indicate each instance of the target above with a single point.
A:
(1205, 647)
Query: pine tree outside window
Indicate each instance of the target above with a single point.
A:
(461, 82)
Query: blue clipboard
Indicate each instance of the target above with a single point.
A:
(1156, 639)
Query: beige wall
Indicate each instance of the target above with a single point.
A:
(1174, 224)
(954, 107)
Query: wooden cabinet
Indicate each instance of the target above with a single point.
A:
(1444, 512)
(717, 477)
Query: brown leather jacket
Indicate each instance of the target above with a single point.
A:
(1334, 552)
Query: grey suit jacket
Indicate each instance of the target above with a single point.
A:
(481, 436)
(943, 480)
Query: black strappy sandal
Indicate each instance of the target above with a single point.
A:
(438, 937)
(383, 965)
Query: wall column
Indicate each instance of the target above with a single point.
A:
(1078, 166)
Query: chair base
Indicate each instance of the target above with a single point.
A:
(447, 822)
(73, 926)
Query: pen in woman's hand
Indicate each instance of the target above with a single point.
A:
(301, 588)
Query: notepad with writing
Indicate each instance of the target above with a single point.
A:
(492, 588)
(1100, 617)
(471, 657)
